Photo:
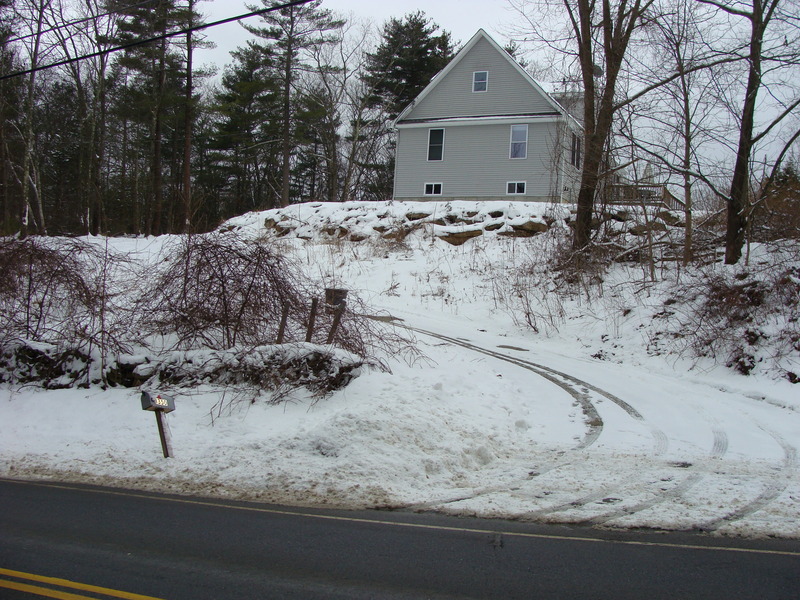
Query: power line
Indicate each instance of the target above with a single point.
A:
(155, 39)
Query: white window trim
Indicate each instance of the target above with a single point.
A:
(515, 193)
(428, 148)
(474, 81)
(576, 151)
(512, 142)
(435, 183)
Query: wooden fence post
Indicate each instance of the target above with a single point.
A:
(337, 317)
(284, 319)
(312, 317)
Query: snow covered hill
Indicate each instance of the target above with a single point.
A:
(534, 397)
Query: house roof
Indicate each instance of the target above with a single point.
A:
(557, 109)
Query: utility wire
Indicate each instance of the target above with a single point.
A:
(79, 21)
(155, 39)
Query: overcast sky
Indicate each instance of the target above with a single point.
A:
(462, 18)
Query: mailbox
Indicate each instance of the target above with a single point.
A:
(157, 402)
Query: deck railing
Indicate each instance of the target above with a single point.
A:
(629, 194)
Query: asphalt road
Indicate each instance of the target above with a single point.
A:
(106, 543)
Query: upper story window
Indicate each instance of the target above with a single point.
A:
(575, 154)
(519, 141)
(435, 144)
(480, 81)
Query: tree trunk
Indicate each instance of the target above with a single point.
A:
(186, 224)
(287, 127)
(738, 200)
(28, 142)
(155, 165)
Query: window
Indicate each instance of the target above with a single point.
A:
(519, 141)
(516, 188)
(480, 81)
(575, 154)
(433, 189)
(435, 144)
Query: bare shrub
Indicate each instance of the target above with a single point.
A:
(43, 290)
(220, 291)
(745, 318)
(59, 292)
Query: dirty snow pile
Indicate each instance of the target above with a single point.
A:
(526, 401)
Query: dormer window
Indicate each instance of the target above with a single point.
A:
(480, 81)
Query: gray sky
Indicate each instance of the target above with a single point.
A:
(462, 18)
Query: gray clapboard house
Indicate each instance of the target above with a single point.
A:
(483, 129)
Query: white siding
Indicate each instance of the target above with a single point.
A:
(509, 92)
(476, 162)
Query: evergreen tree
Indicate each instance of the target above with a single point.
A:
(318, 165)
(411, 53)
(156, 88)
(292, 31)
(247, 130)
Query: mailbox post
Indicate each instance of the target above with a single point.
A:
(159, 404)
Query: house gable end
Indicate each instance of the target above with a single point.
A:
(509, 90)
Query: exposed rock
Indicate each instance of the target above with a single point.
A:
(494, 226)
(622, 216)
(532, 227)
(339, 232)
(516, 233)
(412, 216)
(496, 214)
(456, 238)
(643, 229)
(670, 219)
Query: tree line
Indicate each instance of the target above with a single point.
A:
(141, 141)
(703, 93)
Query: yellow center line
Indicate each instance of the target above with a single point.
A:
(40, 591)
(400, 524)
(66, 583)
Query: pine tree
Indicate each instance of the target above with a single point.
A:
(247, 109)
(292, 31)
(411, 53)
(156, 87)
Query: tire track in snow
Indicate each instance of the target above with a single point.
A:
(575, 387)
(771, 492)
(718, 450)
(566, 381)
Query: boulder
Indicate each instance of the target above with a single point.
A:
(456, 238)
(532, 227)
(643, 229)
(670, 219)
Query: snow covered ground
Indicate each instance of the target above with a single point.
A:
(575, 423)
